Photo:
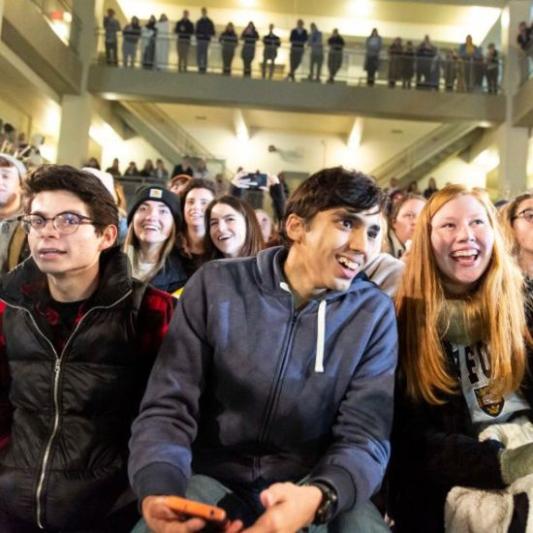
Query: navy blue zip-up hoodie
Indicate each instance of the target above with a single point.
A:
(248, 389)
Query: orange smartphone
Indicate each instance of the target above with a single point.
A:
(193, 509)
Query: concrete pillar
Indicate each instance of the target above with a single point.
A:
(76, 110)
(512, 142)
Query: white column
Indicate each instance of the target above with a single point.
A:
(76, 110)
(512, 142)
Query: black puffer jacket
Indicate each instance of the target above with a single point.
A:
(64, 465)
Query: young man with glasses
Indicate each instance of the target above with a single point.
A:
(272, 395)
(78, 337)
(12, 237)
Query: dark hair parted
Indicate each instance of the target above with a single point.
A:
(88, 188)
(253, 242)
(332, 188)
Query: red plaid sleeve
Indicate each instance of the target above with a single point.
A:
(6, 409)
(153, 321)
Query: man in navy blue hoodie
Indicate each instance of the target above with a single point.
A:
(272, 394)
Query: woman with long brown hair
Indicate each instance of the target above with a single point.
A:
(463, 350)
(232, 229)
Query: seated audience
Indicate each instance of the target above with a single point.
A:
(233, 229)
(178, 183)
(517, 219)
(132, 170)
(273, 395)
(13, 245)
(402, 222)
(430, 189)
(195, 198)
(148, 170)
(114, 169)
(109, 183)
(381, 267)
(160, 171)
(266, 224)
(463, 387)
(153, 222)
(78, 340)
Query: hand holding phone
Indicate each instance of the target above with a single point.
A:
(180, 515)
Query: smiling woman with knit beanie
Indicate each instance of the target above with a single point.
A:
(463, 384)
(153, 222)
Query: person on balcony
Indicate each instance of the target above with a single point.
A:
(162, 42)
(205, 30)
(130, 39)
(492, 68)
(250, 37)
(148, 34)
(271, 43)
(472, 63)
(425, 54)
(184, 29)
(228, 42)
(111, 29)
(298, 39)
(373, 49)
(317, 52)
(395, 61)
(336, 47)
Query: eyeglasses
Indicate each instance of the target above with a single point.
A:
(65, 223)
(526, 214)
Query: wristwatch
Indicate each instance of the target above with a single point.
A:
(328, 505)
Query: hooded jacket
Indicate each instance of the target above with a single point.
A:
(250, 390)
(66, 404)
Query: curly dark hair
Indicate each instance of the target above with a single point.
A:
(87, 187)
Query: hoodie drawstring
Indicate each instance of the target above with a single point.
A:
(320, 337)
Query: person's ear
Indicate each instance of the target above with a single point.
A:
(295, 228)
(109, 237)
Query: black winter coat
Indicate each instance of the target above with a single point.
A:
(64, 466)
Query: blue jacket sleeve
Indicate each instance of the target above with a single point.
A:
(162, 434)
(356, 461)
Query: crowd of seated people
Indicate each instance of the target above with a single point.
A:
(259, 367)
(423, 65)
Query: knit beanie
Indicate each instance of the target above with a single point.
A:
(157, 194)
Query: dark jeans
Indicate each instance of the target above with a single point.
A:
(111, 53)
(183, 46)
(202, 48)
(334, 63)
(295, 59)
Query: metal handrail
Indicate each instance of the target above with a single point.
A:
(424, 148)
(446, 70)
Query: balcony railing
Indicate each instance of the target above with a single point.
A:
(445, 70)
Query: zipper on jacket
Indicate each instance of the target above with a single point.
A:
(57, 374)
(279, 376)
